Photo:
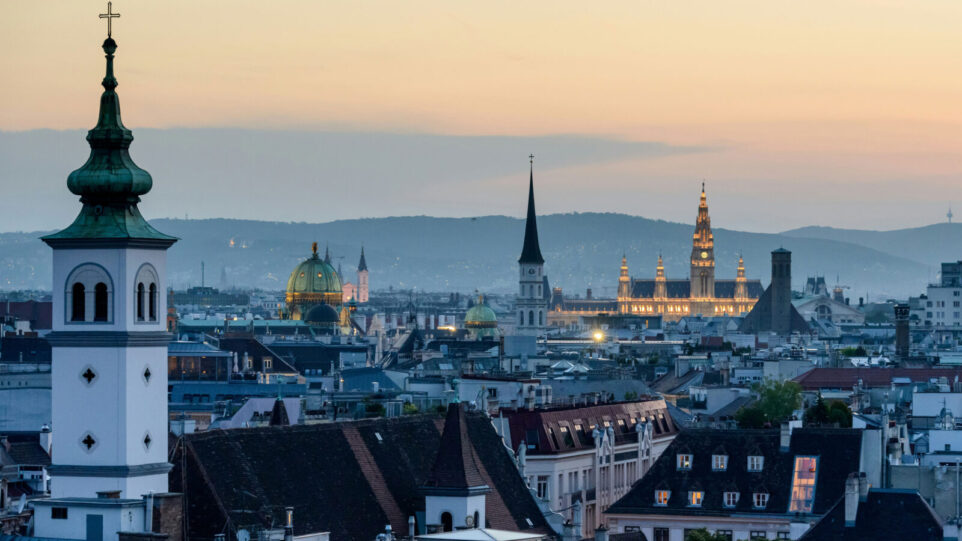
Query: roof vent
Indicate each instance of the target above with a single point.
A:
(379, 438)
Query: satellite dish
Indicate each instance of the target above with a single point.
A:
(243, 535)
(22, 503)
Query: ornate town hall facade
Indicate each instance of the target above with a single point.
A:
(672, 299)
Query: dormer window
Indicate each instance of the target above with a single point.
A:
(695, 497)
(760, 500)
(719, 462)
(683, 461)
(756, 463)
(730, 499)
(661, 497)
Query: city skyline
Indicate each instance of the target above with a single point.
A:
(796, 115)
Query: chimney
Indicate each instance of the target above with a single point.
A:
(588, 294)
(601, 533)
(863, 486)
(412, 526)
(785, 437)
(851, 499)
(289, 523)
(46, 439)
(902, 337)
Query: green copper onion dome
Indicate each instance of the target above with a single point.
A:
(480, 316)
(110, 183)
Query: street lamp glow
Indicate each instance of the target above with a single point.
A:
(599, 336)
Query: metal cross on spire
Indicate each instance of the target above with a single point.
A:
(109, 16)
(531, 159)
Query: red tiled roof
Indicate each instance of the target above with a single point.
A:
(846, 378)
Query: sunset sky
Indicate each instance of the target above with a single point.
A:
(844, 113)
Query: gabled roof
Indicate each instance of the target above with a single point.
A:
(885, 514)
(346, 478)
(838, 452)
(456, 465)
(847, 378)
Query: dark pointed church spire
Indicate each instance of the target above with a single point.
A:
(362, 264)
(531, 251)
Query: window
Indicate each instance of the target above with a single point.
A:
(731, 499)
(531, 318)
(661, 534)
(719, 462)
(760, 500)
(141, 292)
(447, 522)
(755, 463)
(152, 302)
(784, 535)
(101, 302)
(78, 298)
(695, 497)
(661, 497)
(803, 484)
(58, 512)
(684, 462)
(268, 363)
(724, 534)
(542, 487)
(566, 436)
(758, 534)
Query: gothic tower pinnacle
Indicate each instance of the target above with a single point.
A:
(703, 253)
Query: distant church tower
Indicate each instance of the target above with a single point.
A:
(741, 283)
(362, 287)
(703, 254)
(109, 341)
(661, 283)
(532, 307)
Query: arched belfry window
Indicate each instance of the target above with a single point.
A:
(447, 521)
(141, 293)
(88, 295)
(531, 318)
(78, 301)
(101, 302)
(146, 294)
(152, 302)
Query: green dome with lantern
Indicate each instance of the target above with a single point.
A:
(313, 281)
(481, 320)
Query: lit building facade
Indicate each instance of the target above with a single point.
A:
(672, 299)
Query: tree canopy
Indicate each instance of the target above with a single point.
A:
(775, 401)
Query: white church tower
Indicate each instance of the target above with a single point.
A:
(109, 342)
(532, 305)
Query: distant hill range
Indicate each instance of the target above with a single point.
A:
(464, 254)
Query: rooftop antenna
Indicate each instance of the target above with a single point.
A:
(949, 214)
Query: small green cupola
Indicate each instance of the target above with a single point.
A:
(110, 183)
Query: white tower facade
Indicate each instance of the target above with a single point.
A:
(109, 345)
(532, 305)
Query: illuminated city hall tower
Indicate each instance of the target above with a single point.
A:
(702, 256)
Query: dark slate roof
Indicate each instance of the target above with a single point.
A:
(644, 288)
(29, 349)
(346, 478)
(24, 450)
(456, 465)
(591, 305)
(363, 379)
(531, 251)
(885, 514)
(551, 424)
(672, 384)
(838, 450)
(279, 415)
(760, 317)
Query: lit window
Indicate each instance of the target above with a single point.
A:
(755, 463)
(684, 462)
(695, 497)
(661, 497)
(731, 499)
(719, 462)
(760, 499)
(803, 484)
